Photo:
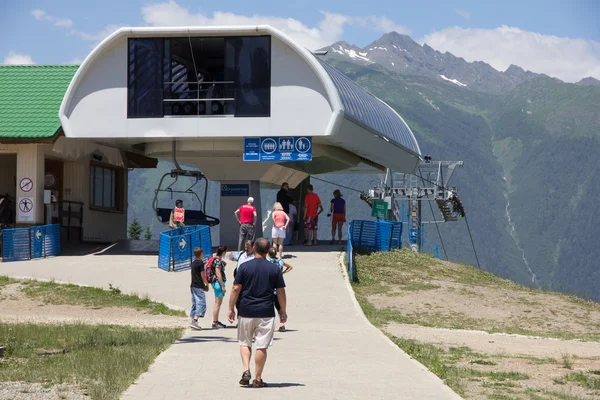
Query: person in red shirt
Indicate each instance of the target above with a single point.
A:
(312, 209)
(246, 217)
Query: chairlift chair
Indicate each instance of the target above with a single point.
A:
(192, 217)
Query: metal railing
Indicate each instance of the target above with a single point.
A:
(20, 244)
(210, 98)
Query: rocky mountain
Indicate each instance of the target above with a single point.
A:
(400, 54)
(530, 175)
(589, 81)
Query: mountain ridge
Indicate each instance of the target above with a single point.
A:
(401, 54)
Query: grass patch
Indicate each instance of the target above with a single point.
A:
(440, 362)
(584, 380)
(499, 376)
(432, 357)
(567, 361)
(102, 359)
(483, 362)
(5, 280)
(55, 293)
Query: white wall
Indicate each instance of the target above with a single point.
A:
(98, 226)
(98, 105)
(229, 228)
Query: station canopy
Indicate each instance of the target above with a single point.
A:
(240, 102)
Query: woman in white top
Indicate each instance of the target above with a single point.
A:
(280, 224)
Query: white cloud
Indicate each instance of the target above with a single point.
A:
(561, 57)
(462, 13)
(96, 36)
(330, 29)
(18, 59)
(42, 15)
(75, 61)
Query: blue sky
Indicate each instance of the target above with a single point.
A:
(67, 29)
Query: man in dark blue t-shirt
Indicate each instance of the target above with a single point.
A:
(252, 293)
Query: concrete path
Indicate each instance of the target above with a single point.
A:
(330, 351)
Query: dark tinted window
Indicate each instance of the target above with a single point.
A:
(248, 65)
(199, 77)
(145, 78)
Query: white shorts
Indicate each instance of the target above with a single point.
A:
(261, 330)
(278, 233)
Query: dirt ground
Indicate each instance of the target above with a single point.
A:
(540, 358)
(491, 308)
(36, 391)
(17, 307)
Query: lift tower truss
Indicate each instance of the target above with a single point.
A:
(431, 184)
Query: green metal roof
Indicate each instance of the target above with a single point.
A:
(30, 96)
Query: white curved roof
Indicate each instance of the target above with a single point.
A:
(365, 109)
(353, 109)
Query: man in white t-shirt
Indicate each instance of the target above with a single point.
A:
(293, 214)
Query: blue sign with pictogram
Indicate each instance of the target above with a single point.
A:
(278, 149)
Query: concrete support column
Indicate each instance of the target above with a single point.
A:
(234, 194)
(30, 185)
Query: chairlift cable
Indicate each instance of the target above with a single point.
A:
(472, 243)
(436, 225)
(336, 184)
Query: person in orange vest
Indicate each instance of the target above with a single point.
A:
(177, 218)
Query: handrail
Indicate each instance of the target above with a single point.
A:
(211, 99)
(198, 82)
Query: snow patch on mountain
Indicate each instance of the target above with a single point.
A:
(455, 81)
(351, 53)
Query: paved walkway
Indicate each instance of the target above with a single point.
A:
(330, 352)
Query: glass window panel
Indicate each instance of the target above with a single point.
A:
(248, 65)
(98, 182)
(113, 195)
(145, 78)
(107, 185)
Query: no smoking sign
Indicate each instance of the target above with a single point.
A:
(26, 184)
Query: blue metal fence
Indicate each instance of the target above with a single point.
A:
(176, 246)
(372, 235)
(21, 244)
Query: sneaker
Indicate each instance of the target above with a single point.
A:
(217, 325)
(246, 376)
(332, 242)
(258, 384)
(194, 325)
(282, 328)
(305, 243)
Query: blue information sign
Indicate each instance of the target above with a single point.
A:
(278, 149)
(235, 190)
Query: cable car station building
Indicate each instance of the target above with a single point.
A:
(245, 104)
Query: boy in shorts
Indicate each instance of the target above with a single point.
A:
(198, 288)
